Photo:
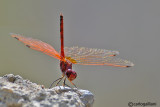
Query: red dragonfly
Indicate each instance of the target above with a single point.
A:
(74, 55)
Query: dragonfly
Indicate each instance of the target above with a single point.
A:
(74, 55)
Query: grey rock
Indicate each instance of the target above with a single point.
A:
(18, 92)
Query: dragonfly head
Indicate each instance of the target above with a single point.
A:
(71, 74)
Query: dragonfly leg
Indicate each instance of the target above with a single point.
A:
(72, 83)
(64, 83)
(59, 80)
(56, 80)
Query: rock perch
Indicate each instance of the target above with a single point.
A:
(18, 92)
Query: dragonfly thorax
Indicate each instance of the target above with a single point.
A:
(65, 65)
(66, 68)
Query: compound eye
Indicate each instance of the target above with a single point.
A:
(71, 75)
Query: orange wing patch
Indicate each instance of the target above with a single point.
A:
(71, 60)
(39, 46)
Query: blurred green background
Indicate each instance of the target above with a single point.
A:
(129, 26)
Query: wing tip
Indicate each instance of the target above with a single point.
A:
(128, 66)
(116, 53)
(131, 65)
(14, 35)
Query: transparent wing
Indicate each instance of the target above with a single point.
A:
(91, 56)
(38, 45)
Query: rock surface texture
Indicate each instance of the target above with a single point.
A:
(17, 92)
